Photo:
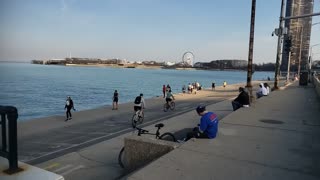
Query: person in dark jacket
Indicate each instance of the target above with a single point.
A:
(69, 106)
(115, 99)
(242, 100)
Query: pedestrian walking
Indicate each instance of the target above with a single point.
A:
(69, 105)
(115, 99)
(164, 91)
(213, 86)
(184, 89)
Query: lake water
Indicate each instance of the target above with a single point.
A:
(41, 90)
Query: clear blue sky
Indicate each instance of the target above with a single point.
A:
(160, 30)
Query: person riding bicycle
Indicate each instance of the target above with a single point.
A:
(208, 127)
(168, 97)
(139, 104)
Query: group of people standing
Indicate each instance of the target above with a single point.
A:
(192, 88)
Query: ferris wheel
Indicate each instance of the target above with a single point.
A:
(188, 58)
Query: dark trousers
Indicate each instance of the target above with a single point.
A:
(68, 113)
(196, 134)
(164, 93)
(259, 95)
(236, 105)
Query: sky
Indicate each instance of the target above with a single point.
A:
(160, 30)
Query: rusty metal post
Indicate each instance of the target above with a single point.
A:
(250, 54)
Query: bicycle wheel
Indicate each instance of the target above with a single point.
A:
(165, 107)
(134, 120)
(121, 158)
(172, 105)
(168, 137)
(141, 118)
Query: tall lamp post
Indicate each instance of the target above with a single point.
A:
(310, 50)
(250, 54)
(300, 50)
(280, 38)
(310, 55)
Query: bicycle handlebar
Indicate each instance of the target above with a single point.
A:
(143, 131)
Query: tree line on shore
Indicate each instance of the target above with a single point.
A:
(216, 64)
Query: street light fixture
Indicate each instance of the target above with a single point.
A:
(310, 54)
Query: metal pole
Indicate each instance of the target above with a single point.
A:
(310, 55)
(250, 54)
(4, 132)
(12, 115)
(302, 16)
(279, 48)
(300, 51)
(288, 70)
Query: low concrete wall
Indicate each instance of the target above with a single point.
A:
(316, 83)
(29, 172)
(140, 150)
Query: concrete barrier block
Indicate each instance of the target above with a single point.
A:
(141, 150)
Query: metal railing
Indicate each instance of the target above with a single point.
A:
(9, 149)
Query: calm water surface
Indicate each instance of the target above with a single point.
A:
(39, 90)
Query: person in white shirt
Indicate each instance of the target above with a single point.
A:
(262, 91)
(266, 85)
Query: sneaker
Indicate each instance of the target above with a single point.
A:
(66, 119)
(70, 118)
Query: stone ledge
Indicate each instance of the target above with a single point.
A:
(139, 151)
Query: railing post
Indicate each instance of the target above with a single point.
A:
(4, 132)
(12, 152)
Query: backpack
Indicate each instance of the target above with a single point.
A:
(68, 103)
(137, 100)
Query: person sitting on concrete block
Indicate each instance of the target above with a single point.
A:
(242, 100)
(262, 91)
(208, 126)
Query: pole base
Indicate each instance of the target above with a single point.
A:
(12, 171)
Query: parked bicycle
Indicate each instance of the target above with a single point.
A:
(137, 118)
(165, 136)
(171, 105)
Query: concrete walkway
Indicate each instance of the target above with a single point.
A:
(50, 137)
(277, 138)
(99, 161)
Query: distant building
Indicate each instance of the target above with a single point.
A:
(170, 63)
(222, 64)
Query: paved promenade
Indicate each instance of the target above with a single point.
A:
(92, 140)
(277, 138)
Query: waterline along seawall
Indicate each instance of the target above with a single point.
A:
(40, 91)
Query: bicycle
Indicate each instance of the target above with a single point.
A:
(137, 118)
(167, 106)
(165, 136)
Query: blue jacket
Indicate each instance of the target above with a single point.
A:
(209, 124)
